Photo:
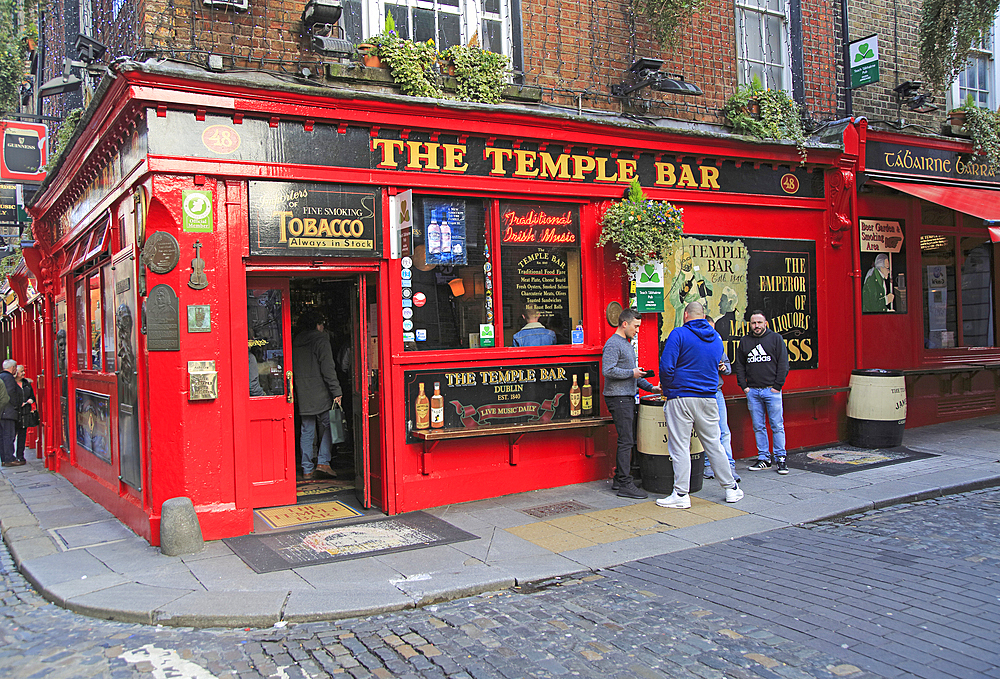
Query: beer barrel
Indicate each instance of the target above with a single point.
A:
(654, 458)
(876, 408)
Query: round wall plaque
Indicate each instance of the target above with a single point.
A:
(612, 313)
(161, 252)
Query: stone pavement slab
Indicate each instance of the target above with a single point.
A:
(80, 557)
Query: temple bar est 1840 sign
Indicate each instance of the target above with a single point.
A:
(308, 219)
(467, 398)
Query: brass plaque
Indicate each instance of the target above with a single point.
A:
(203, 381)
(163, 332)
(161, 252)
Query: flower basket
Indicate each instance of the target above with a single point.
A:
(642, 229)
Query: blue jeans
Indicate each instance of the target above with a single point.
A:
(308, 430)
(765, 402)
(726, 436)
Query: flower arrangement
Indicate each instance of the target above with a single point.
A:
(642, 229)
(766, 114)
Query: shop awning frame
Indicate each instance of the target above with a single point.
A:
(982, 203)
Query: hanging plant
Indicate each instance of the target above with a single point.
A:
(765, 114)
(482, 75)
(642, 229)
(13, 49)
(948, 29)
(983, 126)
(667, 17)
(66, 130)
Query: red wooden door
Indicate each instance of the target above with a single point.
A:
(270, 440)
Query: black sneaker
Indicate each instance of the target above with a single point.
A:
(615, 485)
(631, 491)
(758, 465)
(782, 467)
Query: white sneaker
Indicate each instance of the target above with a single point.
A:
(675, 501)
(734, 494)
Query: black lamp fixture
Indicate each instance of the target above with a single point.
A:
(908, 93)
(645, 72)
(319, 18)
(89, 50)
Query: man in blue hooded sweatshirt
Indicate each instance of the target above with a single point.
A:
(689, 375)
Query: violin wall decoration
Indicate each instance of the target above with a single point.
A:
(198, 280)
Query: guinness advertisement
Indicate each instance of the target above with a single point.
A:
(314, 220)
(24, 151)
(733, 277)
(927, 162)
(254, 140)
(504, 395)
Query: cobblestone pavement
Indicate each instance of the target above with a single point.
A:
(905, 591)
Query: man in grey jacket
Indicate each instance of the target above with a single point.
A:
(316, 390)
(621, 375)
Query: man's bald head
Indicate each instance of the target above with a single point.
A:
(694, 310)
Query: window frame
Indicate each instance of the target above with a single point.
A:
(957, 232)
(80, 278)
(743, 64)
(980, 51)
(494, 237)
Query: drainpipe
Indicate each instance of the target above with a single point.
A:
(859, 167)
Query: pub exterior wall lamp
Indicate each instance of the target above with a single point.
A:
(645, 72)
(319, 19)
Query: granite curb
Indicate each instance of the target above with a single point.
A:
(76, 579)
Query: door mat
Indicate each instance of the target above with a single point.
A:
(299, 514)
(312, 546)
(326, 489)
(846, 459)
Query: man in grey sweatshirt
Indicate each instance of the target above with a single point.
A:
(621, 376)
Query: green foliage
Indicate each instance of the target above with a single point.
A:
(9, 264)
(66, 130)
(777, 115)
(12, 55)
(482, 75)
(983, 125)
(667, 17)
(641, 229)
(411, 64)
(948, 29)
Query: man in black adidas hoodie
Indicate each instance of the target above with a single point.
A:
(761, 369)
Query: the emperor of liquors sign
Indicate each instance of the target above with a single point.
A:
(863, 55)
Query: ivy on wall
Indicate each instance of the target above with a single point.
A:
(948, 30)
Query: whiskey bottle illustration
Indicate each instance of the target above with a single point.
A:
(437, 407)
(423, 408)
(587, 402)
(574, 399)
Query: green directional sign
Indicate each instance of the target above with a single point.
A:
(863, 55)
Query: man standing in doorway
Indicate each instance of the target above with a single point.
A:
(10, 404)
(621, 377)
(761, 369)
(689, 374)
(316, 390)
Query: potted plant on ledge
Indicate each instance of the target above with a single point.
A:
(482, 75)
(983, 126)
(642, 229)
(766, 114)
(411, 64)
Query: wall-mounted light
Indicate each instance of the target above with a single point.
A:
(908, 93)
(89, 50)
(319, 18)
(645, 72)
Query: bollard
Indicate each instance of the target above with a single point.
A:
(180, 532)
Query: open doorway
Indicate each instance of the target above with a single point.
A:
(333, 300)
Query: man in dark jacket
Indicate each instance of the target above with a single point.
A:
(761, 369)
(316, 390)
(689, 375)
(8, 415)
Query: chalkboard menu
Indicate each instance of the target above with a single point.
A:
(468, 398)
(539, 264)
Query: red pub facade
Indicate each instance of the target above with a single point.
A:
(194, 212)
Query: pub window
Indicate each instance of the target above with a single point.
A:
(957, 273)
(80, 320)
(445, 291)
(540, 272)
(446, 22)
(762, 43)
(977, 79)
(108, 278)
(95, 318)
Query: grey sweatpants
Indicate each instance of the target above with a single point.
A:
(702, 414)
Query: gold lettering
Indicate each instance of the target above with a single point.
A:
(626, 170)
(525, 166)
(709, 177)
(284, 234)
(602, 172)
(389, 148)
(556, 169)
(687, 177)
(428, 155)
(454, 157)
(497, 156)
(665, 174)
(583, 165)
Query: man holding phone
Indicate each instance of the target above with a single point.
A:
(622, 376)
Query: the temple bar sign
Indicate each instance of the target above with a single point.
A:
(310, 219)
